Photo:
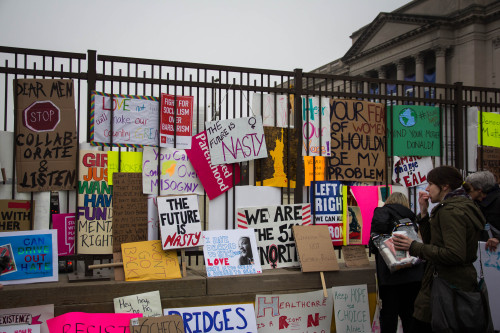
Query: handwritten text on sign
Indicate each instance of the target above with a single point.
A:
(149, 304)
(352, 313)
(180, 223)
(411, 171)
(315, 129)
(236, 140)
(358, 141)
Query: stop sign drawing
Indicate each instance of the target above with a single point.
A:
(41, 116)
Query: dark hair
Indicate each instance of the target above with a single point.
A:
(445, 175)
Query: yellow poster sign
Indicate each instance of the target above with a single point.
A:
(129, 161)
(316, 163)
(489, 125)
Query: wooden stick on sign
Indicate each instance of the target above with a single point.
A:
(325, 292)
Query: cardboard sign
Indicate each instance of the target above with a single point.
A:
(326, 202)
(163, 324)
(217, 318)
(216, 179)
(280, 168)
(314, 169)
(180, 223)
(15, 215)
(273, 230)
(135, 120)
(149, 304)
(230, 252)
(46, 139)
(95, 205)
(302, 312)
(315, 248)
(355, 256)
(276, 110)
(144, 261)
(176, 119)
(125, 161)
(487, 129)
(29, 315)
(316, 126)
(488, 158)
(236, 140)
(75, 322)
(20, 329)
(33, 256)
(358, 141)
(130, 213)
(177, 175)
(411, 171)
(66, 231)
(352, 313)
(416, 130)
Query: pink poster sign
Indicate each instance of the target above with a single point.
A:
(216, 179)
(368, 199)
(74, 322)
(65, 226)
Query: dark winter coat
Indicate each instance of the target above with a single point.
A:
(450, 239)
(490, 207)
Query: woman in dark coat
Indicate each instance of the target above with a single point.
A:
(397, 290)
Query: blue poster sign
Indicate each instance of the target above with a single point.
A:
(326, 205)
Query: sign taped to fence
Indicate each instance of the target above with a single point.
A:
(326, 200)
(149, 304)
(294, 312)
(357, 140)
(236, 140)
(273, 230)
(45, 136)
(66, 231)
(277, 111)
(411, 171)
(316, 126)
(124, 161)
(75, 322)
(135, 120)
(180, 222)
(16, 215)
(176, 113)
(177, 175)
(488, 133)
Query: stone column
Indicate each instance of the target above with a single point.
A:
(440, 52)
(400, 76)
(419, 72)
(382, 75)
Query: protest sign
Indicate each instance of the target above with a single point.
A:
(315, 249)
(416, 129)
(46, 139)
(76, 322)
(135, 120)
(357, 140)
(276, 110)
(20, 329)
(163, 324)
(217, 318)
(146, 260)
(153, 221)
(95, 208)
(176, 121)
(352, 312)
(273, 230)
(488, 129)
(66, 229)
(280, 168)
(125, 161)
(355, 256)
(177, 175)
(488, 158)
(411, 171)
(326, 203)
(236, 140)
(230, 252)
(149, 304)
(29, 315)
(130, 211)
(316, 126)
(302, 312)
(490, 261)
(314, 169)
(15, 215)
(180, 223)
(33, 256)
(216, 179)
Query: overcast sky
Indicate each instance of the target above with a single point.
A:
(271, 34)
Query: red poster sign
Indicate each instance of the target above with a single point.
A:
(176, 121)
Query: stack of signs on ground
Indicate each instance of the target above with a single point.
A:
(230, 252)
(35, 317)
(411, 171)
(176, 121)
(236, 140)
(180, 223)
(15, 215)
(302, 312)
(135, 120)
(147, 261)
(316, 128)
(88, 322)
(326, 199)
(352, 313)
(273, 230)
(149, 304)
(32, 256)
(46, 140)
(66, 229)
(219, 318)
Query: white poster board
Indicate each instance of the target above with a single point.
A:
(29, 315)
(149, 304)
(316, 126)
(491, 270)
(352, 312)
(411, 171)
(274, 109)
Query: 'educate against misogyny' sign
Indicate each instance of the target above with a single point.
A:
(135, 120)
(326, 199)
(180, 223)
(316, 126)
(176, 121)
(236, 140)
(358, 141)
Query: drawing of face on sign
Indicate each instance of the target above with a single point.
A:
(236, 140)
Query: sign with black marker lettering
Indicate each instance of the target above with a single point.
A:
(149, 304)
(15, 215)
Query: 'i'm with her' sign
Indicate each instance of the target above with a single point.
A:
(236, 140)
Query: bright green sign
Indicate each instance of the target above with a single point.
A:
(491, 129)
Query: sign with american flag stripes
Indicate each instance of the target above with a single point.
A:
(273, 230)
